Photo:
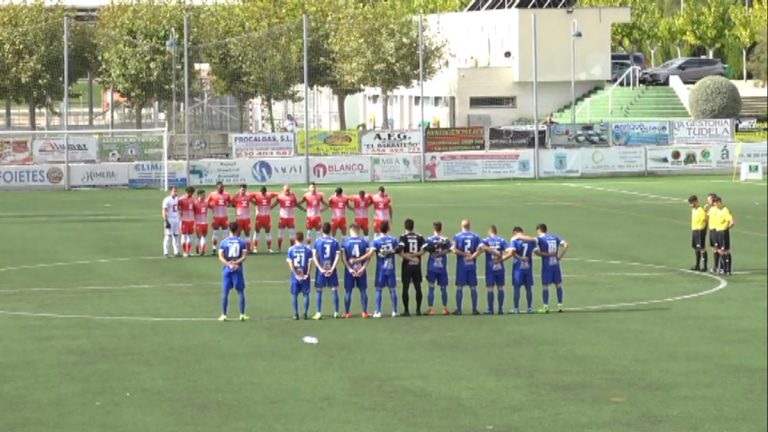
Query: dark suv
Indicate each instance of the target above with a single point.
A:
(689, 69)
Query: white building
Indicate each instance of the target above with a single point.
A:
(489, 76)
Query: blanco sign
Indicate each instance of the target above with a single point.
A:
(249, 171)
(560, 163)
(81, 149)
(397, 168)
(702, 131)
(603, 160)
(491, 165)
(388, 142)
(281, 144)
(102, 174)
(340, 169)
(31, 176)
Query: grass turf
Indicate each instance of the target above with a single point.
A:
(692, 365)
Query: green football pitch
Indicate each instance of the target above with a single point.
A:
(99, 333)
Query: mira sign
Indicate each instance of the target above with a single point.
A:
(702, 131)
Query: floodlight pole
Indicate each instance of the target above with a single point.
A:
(65, 108)
(535, 100)
(575, 33)
(305, 29)
(186, 93)
(421, 97)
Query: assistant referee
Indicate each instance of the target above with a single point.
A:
(698, 233)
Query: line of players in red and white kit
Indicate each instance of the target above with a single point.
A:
(186, 217)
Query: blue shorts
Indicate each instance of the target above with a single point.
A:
(440, 277)
(522, 278)
(322, 281)
(494, 278)
(385, 280)
(551, 275)
(351, 282)
(232, 279)
(300, 287)
(466, 277)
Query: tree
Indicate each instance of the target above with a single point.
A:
(671, 32)
(743, 31)
(758, 59)
(254, 51)
(707, 25)
(132, 50)
(32, 55)
(385, 40)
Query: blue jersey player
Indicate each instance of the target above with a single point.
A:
(386, 248)
(300, 262)
(466, 246)
(326, 258)
(494, 247)
(232, 253)
(438, 248)
(551, 249)
(521, 247)
(355, 275)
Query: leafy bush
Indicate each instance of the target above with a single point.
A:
(714, 97)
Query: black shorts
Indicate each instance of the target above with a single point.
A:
(411, 273)
(712, 235)
(723, 239)
(699, 239)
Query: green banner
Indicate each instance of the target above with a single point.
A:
(130, 148)
(324, 143)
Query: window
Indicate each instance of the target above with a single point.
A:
(493, 102)
(438, 101)
(417, 101)
(374, 99)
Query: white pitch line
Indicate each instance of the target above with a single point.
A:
(622, 191)
(82, 262)
(722, 285)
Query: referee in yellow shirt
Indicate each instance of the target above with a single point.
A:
(723, 239)
(711, 210)
(699, 233)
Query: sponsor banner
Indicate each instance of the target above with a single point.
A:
(455, 139)
(30, 176)
(101, 174)
(515, 137)
(680, 157)
(149, 174)
(579, 134)
(603, 160)
(258, 145)
(249, 171)
(340, 169)
(640, 133)
(131, 148)
(702, 131)
(15, 151)
(459, 166)
(206, 146)
(52, 150)
(396, 168)
(560, 163)
(329, 143)
(752, 152)
(383, 142)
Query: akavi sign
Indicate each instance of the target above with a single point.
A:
(340, 169)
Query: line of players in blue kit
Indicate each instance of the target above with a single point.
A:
(355, 252)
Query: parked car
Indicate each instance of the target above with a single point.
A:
(689, 69)
(638, 59)
(618, 68)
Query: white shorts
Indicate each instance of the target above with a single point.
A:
(174, 229)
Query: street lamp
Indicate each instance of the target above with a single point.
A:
(171, 44)
(575, 34)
